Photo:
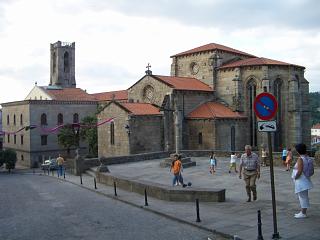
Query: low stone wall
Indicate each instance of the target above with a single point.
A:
(161, 191)
(93, 162)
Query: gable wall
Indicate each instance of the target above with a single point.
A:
(160, 90)
(121, 138)
(181, 66)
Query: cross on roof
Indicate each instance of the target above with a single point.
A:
(148, 66)
(148, 72)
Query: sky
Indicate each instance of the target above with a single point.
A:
(116, 39)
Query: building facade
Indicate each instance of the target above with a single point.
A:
(205, 104)
(45, 108)
(219, 114)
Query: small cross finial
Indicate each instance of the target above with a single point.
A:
(148, 72)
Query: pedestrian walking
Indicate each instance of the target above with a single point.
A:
(302, 181)
(264, 157)
(212, 163)
(284, 156)
(176, 168)
(60, 162)
(250, 164)
(288, 159)
(233, 162)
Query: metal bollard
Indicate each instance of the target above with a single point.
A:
(80, 178)
(260, 237)
(44, 172)
(48, 171)
(145, 198)
(95, 183)
(197, 209)
(115, 188)
(64, 175)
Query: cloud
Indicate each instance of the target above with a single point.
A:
(231, 14)
(3, 20)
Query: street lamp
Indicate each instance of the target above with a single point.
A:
(76, 131)
(127, 127)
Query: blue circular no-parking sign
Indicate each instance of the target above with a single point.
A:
(265, 106)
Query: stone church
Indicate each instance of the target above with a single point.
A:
(207, 103)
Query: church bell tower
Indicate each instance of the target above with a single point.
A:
(62, 64)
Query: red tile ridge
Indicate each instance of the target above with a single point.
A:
(256, 62)
(211, 47)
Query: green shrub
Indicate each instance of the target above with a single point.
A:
(10, 158)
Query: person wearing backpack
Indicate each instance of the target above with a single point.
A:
(302, 171)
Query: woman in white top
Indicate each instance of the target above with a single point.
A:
(302, 184)
(233, 162)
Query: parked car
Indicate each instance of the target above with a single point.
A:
(50, 164)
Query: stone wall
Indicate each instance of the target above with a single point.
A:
(121, 137)
(206, 128)
(223, 134)
(146, 134)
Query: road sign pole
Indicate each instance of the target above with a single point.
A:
(275, 234)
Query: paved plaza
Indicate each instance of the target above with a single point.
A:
(234, 217)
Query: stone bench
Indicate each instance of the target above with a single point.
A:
(161, 191)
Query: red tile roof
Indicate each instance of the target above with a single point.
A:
(214, 110)
(184, 83)
(107, 96)
(141, 108)
(256, 62)
(211, 47)
(316, 126)
(69, 94)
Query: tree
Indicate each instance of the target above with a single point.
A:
(90, 134)
(66, 137)
(314, 102)
(10, 159)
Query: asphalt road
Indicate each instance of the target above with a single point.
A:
(43, 208)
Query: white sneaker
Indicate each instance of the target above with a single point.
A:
(300, 215)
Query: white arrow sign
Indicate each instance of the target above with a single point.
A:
(267, 126)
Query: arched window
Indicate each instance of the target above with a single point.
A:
(43, 119)
(233, 138)
(76, 118)
(14, 119)
(112, 133)
(277, 92)
(251, 95)
(8, 119)
(298, 80)
(21, 119)
(60, 119)
(54, 62)
(66, 62)
(200, 138)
